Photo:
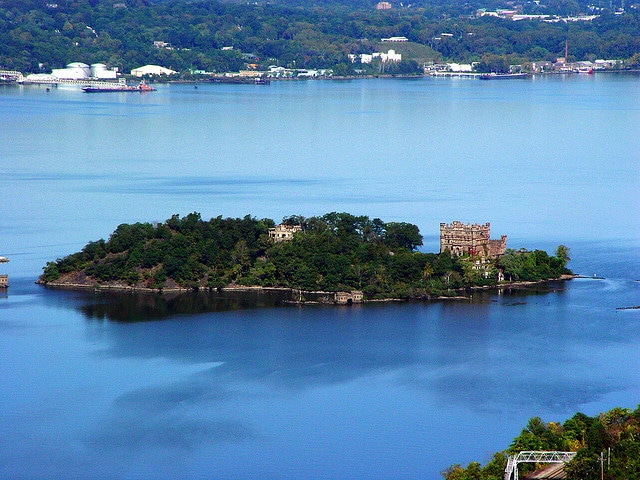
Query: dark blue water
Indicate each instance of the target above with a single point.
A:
(105, 387)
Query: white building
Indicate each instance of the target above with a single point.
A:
(460, 67)
(100, 71)
(151, 70)
(391, 56)
(82, 71)
(366, 58)
(394, 39)
(363, 57)
(307, 73)
(73, 71)
(41, 78)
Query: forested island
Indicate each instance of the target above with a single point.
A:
(336, 252)
(228, 36)
(607, 447)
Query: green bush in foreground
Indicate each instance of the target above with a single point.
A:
(607, 446)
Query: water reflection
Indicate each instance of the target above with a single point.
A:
(245, 379)
(486, 353)
(139, 307)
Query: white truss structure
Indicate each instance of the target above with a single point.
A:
(511, 472)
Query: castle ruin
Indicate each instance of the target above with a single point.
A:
(473, 240)
(283, 232)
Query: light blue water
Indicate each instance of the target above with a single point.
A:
(383, 391)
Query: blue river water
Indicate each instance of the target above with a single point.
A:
(109, 387)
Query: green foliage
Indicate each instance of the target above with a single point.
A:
(607, 446)
(533, 266)
(50, 272)
(36, 36)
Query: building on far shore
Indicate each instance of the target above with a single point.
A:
(82, 71)
(395, 39)
(390, 56)
(473, 240)
(151, 70)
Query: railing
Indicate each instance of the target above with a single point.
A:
(511, 471)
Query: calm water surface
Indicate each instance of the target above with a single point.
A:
(379, 391)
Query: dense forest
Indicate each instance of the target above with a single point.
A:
(334, 252)
(205, 35)
(607, 446)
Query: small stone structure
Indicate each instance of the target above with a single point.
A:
(4, 281)
(474, 240)
(282, 232)
(345, 298)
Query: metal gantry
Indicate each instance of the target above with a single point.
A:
(511, 472)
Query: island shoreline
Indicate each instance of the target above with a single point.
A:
(234, 288)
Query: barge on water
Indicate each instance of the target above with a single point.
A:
(118, 87)
(502, 76)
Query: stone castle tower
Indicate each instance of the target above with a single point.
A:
(474, 240)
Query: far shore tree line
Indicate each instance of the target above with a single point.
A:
(209, 36)
(607, 446)
(333, 252)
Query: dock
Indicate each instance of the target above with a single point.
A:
(4, 278)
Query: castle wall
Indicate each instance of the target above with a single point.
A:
(470, 239)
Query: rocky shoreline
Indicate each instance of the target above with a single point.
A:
(299, 297)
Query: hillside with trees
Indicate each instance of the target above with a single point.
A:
(37, 36)
(607, 446)
(333, 252)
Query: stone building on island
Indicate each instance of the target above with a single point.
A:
(347, 298)
(4, 279)
(473, 240)
(283, 232)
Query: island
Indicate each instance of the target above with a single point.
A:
(333, 258)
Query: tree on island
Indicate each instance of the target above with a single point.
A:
(523, 265)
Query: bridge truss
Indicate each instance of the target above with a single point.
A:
(511, 472)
